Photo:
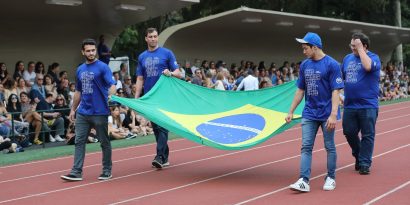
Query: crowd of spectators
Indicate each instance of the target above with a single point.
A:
(394, 79)
(26, 93)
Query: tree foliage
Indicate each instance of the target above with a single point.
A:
(131, 41)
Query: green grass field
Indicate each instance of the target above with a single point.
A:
(65, 150)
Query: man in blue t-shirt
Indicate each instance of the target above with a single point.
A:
(152, 63)
(320, 81)
(94, 83)
(361, 72)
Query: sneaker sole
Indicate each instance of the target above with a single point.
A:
(329, 188)
(299, 190)
(105, 178)
(364, 173)
(71, 179)
(163, 166)
(157, 165)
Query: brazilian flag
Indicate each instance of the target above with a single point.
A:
(225, 120)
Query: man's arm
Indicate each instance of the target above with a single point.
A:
(140, 82)
(112, 90)
(364, 58)
(176, 73)
(331, 121)
(296, 100)
(76, 102)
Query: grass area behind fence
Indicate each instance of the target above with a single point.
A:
(67, 150)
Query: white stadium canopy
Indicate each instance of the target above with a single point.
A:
(254, 34)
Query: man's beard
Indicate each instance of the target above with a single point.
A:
(90, 59)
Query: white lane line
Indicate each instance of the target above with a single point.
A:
(144, 172)
(126, 159)
(175, 140)
(246, 169)
(93, 165)
(318, 176)
(88, 154)
(387, 193)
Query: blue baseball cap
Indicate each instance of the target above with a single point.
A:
(312, 39)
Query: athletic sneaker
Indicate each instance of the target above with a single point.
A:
(300, 185)
(157, 163)
(330, 184)
(130, 136)
(71, 177)
(166, 164)
(364, 170)
(105, 176)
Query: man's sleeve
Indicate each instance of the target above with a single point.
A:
(172, 61)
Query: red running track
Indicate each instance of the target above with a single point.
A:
(203, 175)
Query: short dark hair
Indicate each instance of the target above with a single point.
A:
(88, 41)
(150, 30)
(363, 38)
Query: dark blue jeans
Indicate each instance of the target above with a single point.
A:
(161, 136)
(363, 121)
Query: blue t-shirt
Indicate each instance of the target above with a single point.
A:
(361, 87)
(93, 81)
(318, 79)
(151, 64)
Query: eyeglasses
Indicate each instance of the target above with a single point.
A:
(14, 98)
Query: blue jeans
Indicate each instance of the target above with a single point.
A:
(161, 136)
(309, 131)
(83, 125)
(363, 121)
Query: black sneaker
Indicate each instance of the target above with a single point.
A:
(71, 177)
(157, 163)
(105, 176)
(364, 170)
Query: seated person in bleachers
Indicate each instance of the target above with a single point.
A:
(62, 107)
(126, 86)
(140, 125)
(31, 116)
(53, 119)
(6, 144)
(22, 87)
(50, 86)
(70, 136)
(13, 106)
(115, 128)
(10, 88)
(38, 85)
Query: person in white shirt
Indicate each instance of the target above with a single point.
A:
(116, 77)
(29, 75)
(249, 82)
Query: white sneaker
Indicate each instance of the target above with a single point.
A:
(330, 184)
(300, 185)
(52, 139)
(58, 138)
